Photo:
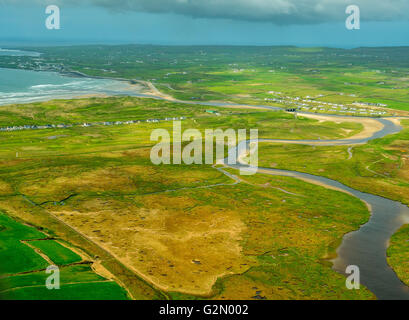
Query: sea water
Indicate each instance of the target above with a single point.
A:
(24, 86)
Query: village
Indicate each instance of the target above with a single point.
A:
(309, 104)
(86, 124)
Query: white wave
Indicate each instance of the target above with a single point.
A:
(69, 88)
(69, 84)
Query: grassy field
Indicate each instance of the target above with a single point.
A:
(177, 231)
(25, 254)
(16, 256)
(104, 290)
(288, 240)
(56, 252)
(398, 253)
(93, 110)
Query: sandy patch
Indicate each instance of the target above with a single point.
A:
(395, 121)
(371, 126)
(91, 95)
(152, 90)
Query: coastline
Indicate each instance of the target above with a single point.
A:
(146, 89)
(61, 86)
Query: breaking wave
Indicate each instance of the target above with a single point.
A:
(31, 86)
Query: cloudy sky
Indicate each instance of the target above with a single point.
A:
(253, 22)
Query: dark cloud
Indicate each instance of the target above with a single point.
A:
(275, 11)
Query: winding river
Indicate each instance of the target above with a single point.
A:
(366, 247)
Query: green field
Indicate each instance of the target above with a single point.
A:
(22, 269)
(79, 291)
(57, 253)
(398, 253)
(16, 256)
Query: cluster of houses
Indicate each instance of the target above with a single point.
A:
(174, 73)
(369, 104)
(307, 104)
(37, 64)
(35, 127)
(86, 124)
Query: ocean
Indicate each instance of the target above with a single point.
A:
(25, 86)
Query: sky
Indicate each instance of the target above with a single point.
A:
(206, 22)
